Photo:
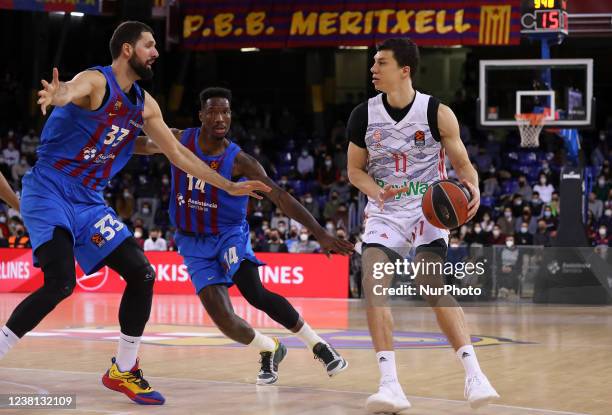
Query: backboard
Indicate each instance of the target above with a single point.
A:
(562, 87)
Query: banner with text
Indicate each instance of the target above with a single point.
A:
(222, 24)
(291, 275)
(83, 6)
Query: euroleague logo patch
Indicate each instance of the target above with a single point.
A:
(419, 138)
(98, 240)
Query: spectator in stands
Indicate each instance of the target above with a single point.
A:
(19, 237)
(551, 221)
(526, 219)
(330, 227)
(331, 206)
(155, 242)
(606, 218)
(275, 243)
(29, 143)
(139, 236)
(278, 217)
(124, 205)
(602, 188)
(595, 206)
(292, 236)
(487, 223)
(311, 206)
(497, 237)
(602, 238)
(341, 217)
(305, 164)
(11, 154)
(491, 184)
(506, 223)
(536, 204)
(483, 160)
(340, 157)
(509, 281)
(342, 189)
(524, 188)
(264, 161)
(551, 176)
(523, 236)
(282, 229)
(542, 235)
(481, 236)
(146, 214)
(305, 245)
(544, 188)
(19, 170)
(554, 203)
(341, 234)
(327, 173)
(4, 224)
(517, 206)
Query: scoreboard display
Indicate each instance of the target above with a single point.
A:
(544, 17)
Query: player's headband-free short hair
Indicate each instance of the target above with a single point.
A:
(215, 92)
(405, 52)
(126, 32)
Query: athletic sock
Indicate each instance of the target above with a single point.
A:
(262, 343)
(7, 340)
(467, 356)
(308, 336)
(127, 351)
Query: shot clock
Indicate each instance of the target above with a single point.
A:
(544, 17)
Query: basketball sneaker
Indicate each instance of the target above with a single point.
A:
(326, 354)
(389, 399)
(132, 384)
(268, 374)
(478, 391)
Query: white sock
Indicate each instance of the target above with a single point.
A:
(467, 356)
(388, 372)
(127, 351)
(308, 336)
(7, 340)
(262, 343)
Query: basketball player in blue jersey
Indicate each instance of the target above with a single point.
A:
(213, 238)
(87, 139)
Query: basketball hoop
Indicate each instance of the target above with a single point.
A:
(530, 125)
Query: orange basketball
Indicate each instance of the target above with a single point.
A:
(445, 204)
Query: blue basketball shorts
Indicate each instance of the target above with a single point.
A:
(53, 199)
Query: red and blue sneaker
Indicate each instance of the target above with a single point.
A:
(132, 384)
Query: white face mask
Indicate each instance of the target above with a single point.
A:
(509, 244)
(303, 237)
(496, 233)
(165, 182)
(126, 194)
(2, 219)
(524, 229)
(477, 230)
(602, 232)
(547, 214)
(508, 214)
(608, 213)
(308, 200)
(328, 163)
(454, 245)
(137, 234)
(329, 227)
(145, 211)
(602, 182)
(282, 229)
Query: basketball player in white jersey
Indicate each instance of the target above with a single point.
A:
(400, 138)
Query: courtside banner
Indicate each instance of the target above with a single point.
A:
(83, 6)
(232, 24)
(291, 275)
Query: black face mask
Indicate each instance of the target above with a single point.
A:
(154, 238)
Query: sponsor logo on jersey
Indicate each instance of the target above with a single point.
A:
(413, 188)
(135, 124)
(419, 139)
(89, 152)
(103, 158)
(98, 240)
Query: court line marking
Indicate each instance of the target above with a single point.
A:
(37, 389)
(455, 401)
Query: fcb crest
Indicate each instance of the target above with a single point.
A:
(98, 240)
(118, 105)
(214, 165)
(419, 139)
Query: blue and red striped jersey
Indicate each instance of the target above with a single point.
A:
(93, 145)
(198, 207)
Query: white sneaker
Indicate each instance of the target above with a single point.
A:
(387, 400)
(478, 391)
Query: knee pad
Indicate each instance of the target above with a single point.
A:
(142, 277)
(57, 290)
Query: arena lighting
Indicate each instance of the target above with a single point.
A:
(249, 49)
(73, 14)
(353, 47)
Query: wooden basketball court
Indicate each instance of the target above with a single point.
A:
(541, 359)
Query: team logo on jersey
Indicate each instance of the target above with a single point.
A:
(89, 152)
(98, 240)
(419, 139)
(116, 108)
(180, 200)
(377, 136)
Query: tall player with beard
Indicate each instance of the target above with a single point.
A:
(88, 138)
(399, 140)
(213, 238)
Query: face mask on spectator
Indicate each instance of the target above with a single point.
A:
(524, 229)
(508, 214)
(2, 219)
(165, 181)
(518, 202)
(303, 237)
(126, 194)
(601, 182)
(282, 229)
(137, 234)
(328, 163)
(274, 238)
(308, 200)
(329, 227)
(602, 232)
(496, 233)
(304, 153)
(454, 245)
(265, 227)
(547, 213)
(477, 229)
(608, 212)
(146, 210)
(509, 244)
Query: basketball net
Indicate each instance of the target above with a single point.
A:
(530, 125)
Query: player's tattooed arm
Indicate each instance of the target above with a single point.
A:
(458, 156)
(247, 166)
(78, 90)
(7, 194)
(144, 146)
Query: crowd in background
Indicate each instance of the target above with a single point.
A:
(519, 187)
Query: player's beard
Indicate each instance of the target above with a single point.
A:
(140, 69)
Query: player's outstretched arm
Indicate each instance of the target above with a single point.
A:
(458, 156)
(7, 194)
(249, 167)
(61, 93)
(158, 131)
(144, 146)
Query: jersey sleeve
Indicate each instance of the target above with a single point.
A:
(358, 124)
